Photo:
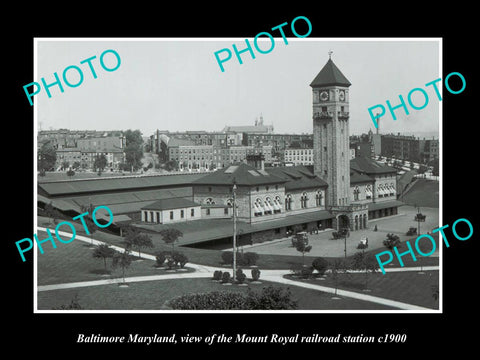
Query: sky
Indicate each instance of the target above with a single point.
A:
(176, 84)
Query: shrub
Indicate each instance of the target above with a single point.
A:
(251, 258)
(227, 257)
(270, 298)
(391, 241)
(306, 271)
(160, 258)
(240, 276)
(217, 300)
(362, 246)
(217, 275)
(225, 277)
(320, 264)
(296, 269)
(180, 259)
(170, 263)
(255, 274)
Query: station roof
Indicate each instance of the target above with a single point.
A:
(368, 166)
(297, 177)
(241, 174)
(115, 184)
(168, 204)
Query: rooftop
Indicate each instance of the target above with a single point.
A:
(330, 75)
(297, 177)
(116, 184)
(241, 174)
(368, 166)
(172, 203)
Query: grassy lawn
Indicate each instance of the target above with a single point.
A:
(409, 287)
(423, 193)
(74, 262)
(152, 295)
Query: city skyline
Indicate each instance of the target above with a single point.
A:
(175, 84)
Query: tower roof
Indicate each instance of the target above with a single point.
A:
(330, 75)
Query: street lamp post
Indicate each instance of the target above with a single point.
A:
(234, 232)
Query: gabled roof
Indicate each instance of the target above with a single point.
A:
(297, 177)
(242, 174)
(368, 166)
(330, 75)
(172, 203)
(359, 178)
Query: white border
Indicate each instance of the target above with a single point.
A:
(379, 39)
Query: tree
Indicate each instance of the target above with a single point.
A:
(436, 167)
(138, 240)
(303, 247)
(90, 226)
(49, 211)
(100, 163)
(103, 251)
(320, 264)
(122, 260)
(65, 165)
(133, 149)
(421, 169)
(47, 157)
(336, 267)
(171, 165)
(362, 261)
(171, 235)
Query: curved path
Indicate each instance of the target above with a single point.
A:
(204, 271)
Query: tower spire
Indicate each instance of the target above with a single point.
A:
(330, 52)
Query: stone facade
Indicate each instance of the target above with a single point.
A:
(331, 141)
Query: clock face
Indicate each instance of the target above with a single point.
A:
(324, 95)
(342, 95)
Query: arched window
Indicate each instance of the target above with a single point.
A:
(288, 202)
(268, 204)
(303, 200)
(258, 209)
(319, 198)
(380, 191)
(356, 193)
(356, 222)
(209, 201)
(368, 192)
(364, 221)
(392, 189)
(229, 203)
(277, 205)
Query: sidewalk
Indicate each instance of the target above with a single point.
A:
(203, 271)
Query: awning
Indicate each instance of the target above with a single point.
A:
(276, 206)
(268, 206)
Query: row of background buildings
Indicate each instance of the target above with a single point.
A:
(203, 150)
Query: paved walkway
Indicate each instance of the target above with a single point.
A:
(203, 271)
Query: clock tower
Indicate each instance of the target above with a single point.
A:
(331, 147)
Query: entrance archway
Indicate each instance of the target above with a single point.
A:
(343, 223)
